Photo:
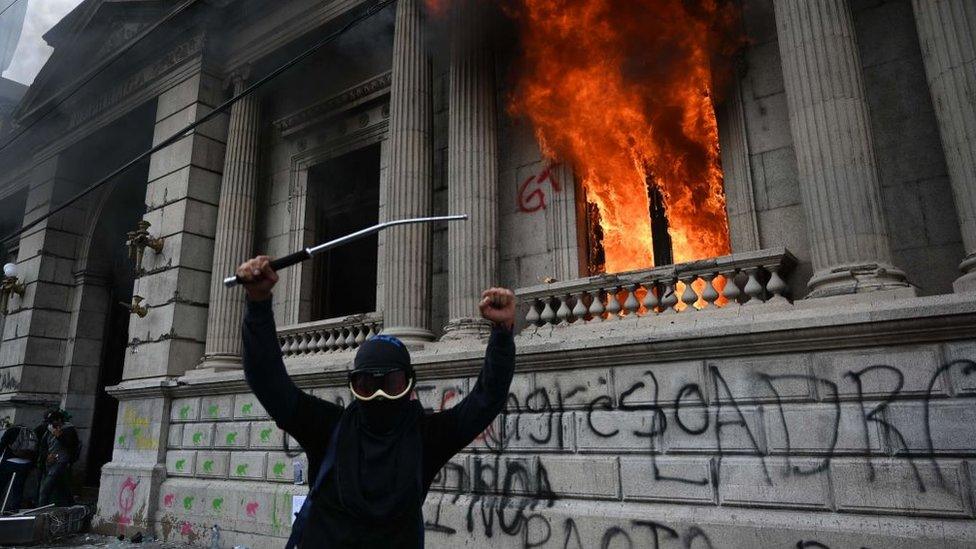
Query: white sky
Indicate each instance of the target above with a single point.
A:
(32, 51)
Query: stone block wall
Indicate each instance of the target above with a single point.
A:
(873, 446)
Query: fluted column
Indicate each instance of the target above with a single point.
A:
(835, 154)
(472, 171)
(234, 238)
(409, 191)
(947, 34)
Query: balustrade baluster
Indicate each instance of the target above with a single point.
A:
(579, 310)
(330, 343)
(563, 313)
(650, 301)
(613, 303)
(631, 304)
(731, 291)
(532, 317)
(753, 288)
(548, 315)
(360, 336)
(776, 285)
(670, 297)
(708, 293)
(688, 296)
(596, 307)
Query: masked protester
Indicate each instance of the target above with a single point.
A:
(371, 463)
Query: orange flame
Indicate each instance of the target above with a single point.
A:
(622, 90)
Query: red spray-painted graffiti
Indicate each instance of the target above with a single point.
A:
(252, 509)
(127, 499)
(531, 196)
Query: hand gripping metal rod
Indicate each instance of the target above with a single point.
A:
(302, 255)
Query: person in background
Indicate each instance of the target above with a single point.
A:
(18, 450)
(58, 450)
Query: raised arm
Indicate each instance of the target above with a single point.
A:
(455, 428)
(301, 415)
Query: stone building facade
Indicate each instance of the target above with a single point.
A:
(824, 399)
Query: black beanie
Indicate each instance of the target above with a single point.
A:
(383, 352)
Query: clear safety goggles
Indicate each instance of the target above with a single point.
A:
(390, 384)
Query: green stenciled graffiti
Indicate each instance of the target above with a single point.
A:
(217, 504)
(136, 432)
(241, 469)
(279, 468)
(208, 466)
(180, 463)
(246, 409)
(212, 410)
(188, 503)
(266, 434)
(197, 437)
(185, 411)
(231, 438)
(121, 440)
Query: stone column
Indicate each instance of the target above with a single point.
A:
(234, 237)
(472, 172)
(835, 154)
(409, 191)
(947, 34)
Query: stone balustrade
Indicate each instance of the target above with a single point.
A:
(697, 287)
(329, 336)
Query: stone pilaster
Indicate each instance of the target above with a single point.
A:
(835, 154)
(947, 35)
(409, 191)
(234, 238)
(472, 172)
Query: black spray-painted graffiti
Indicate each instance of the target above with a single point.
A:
(510, 502)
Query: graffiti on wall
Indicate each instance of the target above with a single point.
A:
(532, 191)
(505, 494)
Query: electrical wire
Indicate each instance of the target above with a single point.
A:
(114, 57)
(9, 6)
(369, 12)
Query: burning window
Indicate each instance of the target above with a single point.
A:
(623, 91)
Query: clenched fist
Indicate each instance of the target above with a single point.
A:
(258, 277)
(498, 306)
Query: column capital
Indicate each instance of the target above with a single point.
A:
(237, 77)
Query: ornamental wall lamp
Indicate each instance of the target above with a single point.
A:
(9, 285)
(138, 240)
(136, 307)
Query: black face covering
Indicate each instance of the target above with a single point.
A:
(378, 461)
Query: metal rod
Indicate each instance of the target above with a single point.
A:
(302, 255)
(13, 477)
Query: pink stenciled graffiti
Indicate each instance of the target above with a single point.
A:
(252, 509)
(186, 528)
(531, 195)
(127, 500)
(168, 500)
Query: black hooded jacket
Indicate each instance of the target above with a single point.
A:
(386, 471)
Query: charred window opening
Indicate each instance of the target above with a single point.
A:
(660, 238)
(347, 190)
(591, 232)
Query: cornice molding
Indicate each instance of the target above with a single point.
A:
(331, 107)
